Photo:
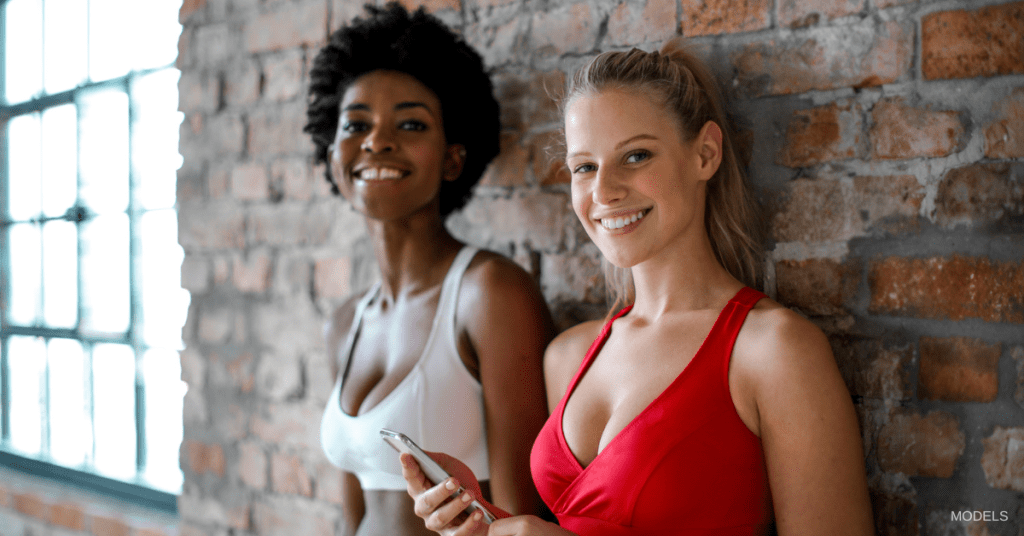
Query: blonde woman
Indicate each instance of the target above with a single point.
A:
(701, 406)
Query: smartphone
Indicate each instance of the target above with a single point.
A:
(435, 473)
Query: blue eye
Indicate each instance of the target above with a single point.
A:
(584, 168)
(638, 156)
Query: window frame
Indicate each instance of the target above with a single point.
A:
(136, 492)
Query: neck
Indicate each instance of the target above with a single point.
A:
(410, 253)
(685, 278)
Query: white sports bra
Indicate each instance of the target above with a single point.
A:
(439, 404)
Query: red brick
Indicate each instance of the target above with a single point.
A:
(528, 100)
(966, 44)
(901, 131)
(198, 91)
(249, 182)
(204, 458)
(838, 210)
(282, 76)
(241, 370)
(547, 152)
(289, 425)
(68, 515)
(150, 531)
(108, 526)
(289, 475)
(252, 273)
(31, 505)
(343, 11)
(332, 278)
(212, 137)
(712, 17)
(817, 287)
(6, 496)
(210, 45)
(980, 194)
(328, 483)
(1004, 136)
(252, 465)
(294, 178)
(567, 29)
(823, 134)
(861, 55)
(297, 24)
(216, 325)
(894, 504)
(576, 276)
(958, 369)
(188, 7)
(276, 131)
(540, 219)
(432, 6)
(508, 169)
(241, 83)
(952, 288)
(918, 445)
(641, 21)
(801, 13)
(290, 225)
(499, 44)
(1003, 459)
(874, 370)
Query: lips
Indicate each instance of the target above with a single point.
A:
(620, 221)
(379, 173)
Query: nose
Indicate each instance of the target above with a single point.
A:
(379, 139)
(609, 187)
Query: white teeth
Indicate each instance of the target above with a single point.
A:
(618, 223)
(381, 174)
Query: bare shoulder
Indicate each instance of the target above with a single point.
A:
(564, 355)
(775, 336)
(493, 273)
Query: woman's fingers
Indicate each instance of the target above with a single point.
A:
(415, 479)
(448, 511)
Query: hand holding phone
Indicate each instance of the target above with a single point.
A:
(434, 472)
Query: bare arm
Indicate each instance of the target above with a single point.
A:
(564, 356)
(807, 424)
(508, 326)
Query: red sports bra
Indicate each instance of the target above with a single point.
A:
(686, 465)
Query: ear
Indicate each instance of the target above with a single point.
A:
(709, 147)
(454, 160)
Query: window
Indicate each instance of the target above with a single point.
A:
(91, 306)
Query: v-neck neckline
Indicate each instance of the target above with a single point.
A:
(597, 347)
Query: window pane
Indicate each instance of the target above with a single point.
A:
(70, 431)
(60, 274)
(164, 302)
(65, 49)
(104, 150)
(161, 370)
(27, 364)
(60, 167)
(24, 156)
(157, 30)
(155, 138)
(24, 49)
(26, 263)
(105, 264)
(113, 372)
(109, 49)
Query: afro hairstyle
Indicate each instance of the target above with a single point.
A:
(418, 44)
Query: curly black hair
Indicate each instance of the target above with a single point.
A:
(420, 45)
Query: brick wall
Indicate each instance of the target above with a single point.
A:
(888, 146)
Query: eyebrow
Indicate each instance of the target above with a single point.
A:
(619, 145)
(400, 106)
